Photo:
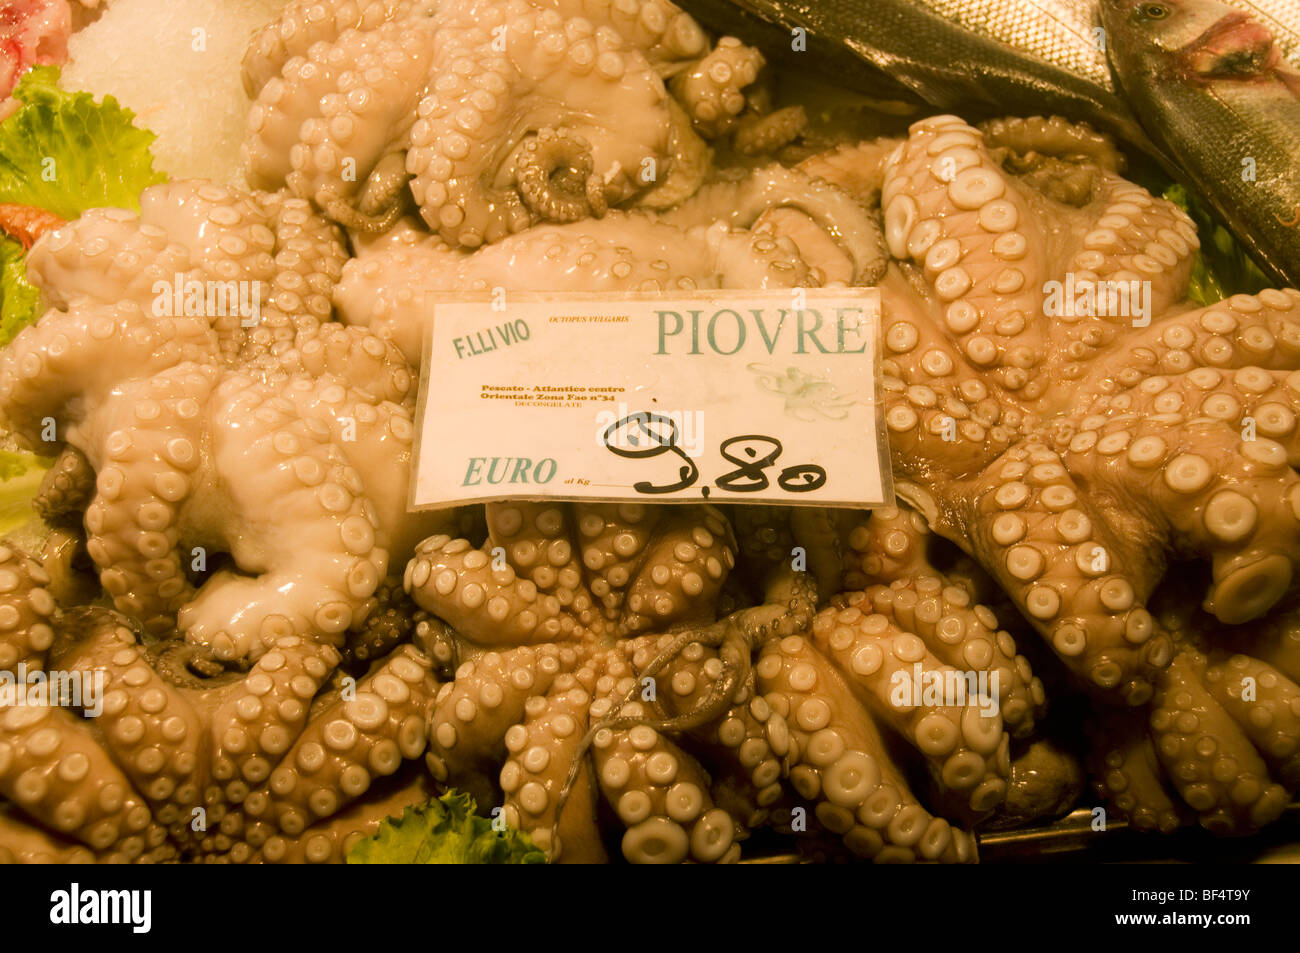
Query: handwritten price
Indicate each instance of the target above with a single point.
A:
(747, 477)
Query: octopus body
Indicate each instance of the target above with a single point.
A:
(284, 444)
(497, 114)
(773, 228)
(265, 765)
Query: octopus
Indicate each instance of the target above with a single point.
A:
(1071, 447)
(289, 656)
(773, 228)
(275, 764)
(495, 115)
(567, 618)
(249, 465)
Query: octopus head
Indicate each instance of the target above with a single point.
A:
(535, 118)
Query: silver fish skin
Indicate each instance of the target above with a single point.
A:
(977, 57)
(1214, 89)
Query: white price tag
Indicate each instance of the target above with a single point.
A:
(762, 397)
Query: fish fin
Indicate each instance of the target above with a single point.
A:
(1291, 80)
(1235, 47)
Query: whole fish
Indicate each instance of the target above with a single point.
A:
(978, 57)
(1214, 89)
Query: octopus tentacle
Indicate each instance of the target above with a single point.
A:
(173, 763)
(471, 715)
(444, 567)
(21, 843)
(689, 163)
(1136, 237)
(743, 744)
(310, 481)
(344, 749)
(330, 840)
(742, 203)
(1128, 774)
(1053, 136)
(712, 89)
(134, 520)
(53, 768)
(950, 207)
(772, 537)
(888, 546)
(856, 167)
(842, 764)
(661, 794)
(387, 620)
(1241, 333)
(57, 359)
(158, 753)
(66, 488)
(253, 722)
(964, 743)
(765, 133)
(669, 37)
(537, 595)
(25, 609)
(309, 257)
(1218, 737)
(360, 94)
(1075, 580)
(1266, 401)
(304, 23)
(371, 365)
(384, 189)
(986, 226)
(541, 748)
(1207, 754)
(1224, 498)
(554, 176)
(65, 265)
(891, 546)
(1263, 702)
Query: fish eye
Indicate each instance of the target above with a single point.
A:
(1154, 11)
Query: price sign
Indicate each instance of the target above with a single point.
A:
(768, 397)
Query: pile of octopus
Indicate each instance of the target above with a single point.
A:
(288, 656)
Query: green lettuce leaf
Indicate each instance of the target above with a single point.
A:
(19, 299)
(444, 830)
(1222, 267)
(65, 153)
(20, 478)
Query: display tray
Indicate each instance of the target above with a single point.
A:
(1071, 840)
